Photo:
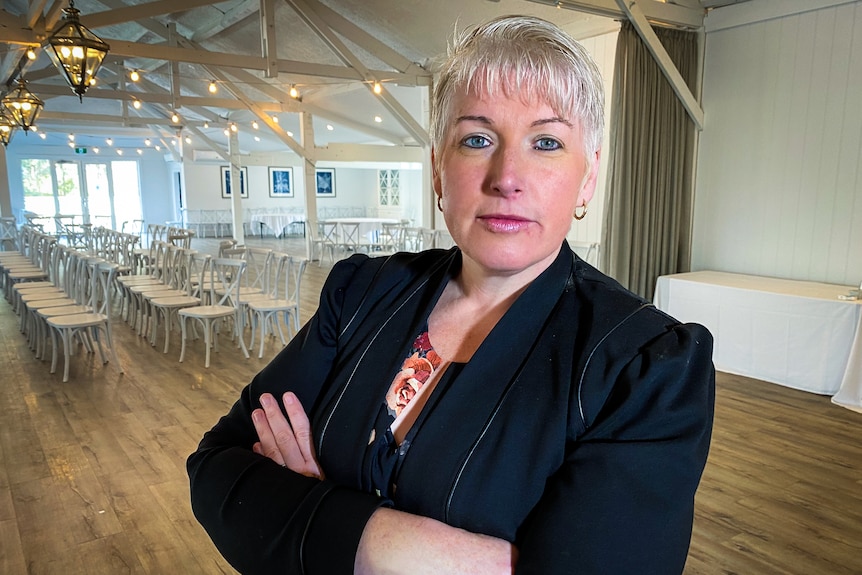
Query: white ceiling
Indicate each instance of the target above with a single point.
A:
(331, 50)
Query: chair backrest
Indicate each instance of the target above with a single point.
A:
(197, 268)
(102, 275)
(225, 280)
(350, 234)
(328, 232)
(259, 264)
(8, 234)
(426, 237)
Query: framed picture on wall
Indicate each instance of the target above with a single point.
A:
(280, 182)
(226, 187)
(325, 182)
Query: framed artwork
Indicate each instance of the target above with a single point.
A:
(280, 182)
(325, 182)
(226, 183)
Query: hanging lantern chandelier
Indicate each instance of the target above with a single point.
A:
(7, 127)
(23, 105)
(76, 51)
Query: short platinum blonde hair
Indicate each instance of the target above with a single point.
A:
(524, 57)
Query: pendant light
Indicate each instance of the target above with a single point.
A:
(23, 105)
(76, 51)
(7, 127)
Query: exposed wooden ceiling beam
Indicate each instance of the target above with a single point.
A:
(656, 12)
(319, 26)
(139, 11)
(665, 63)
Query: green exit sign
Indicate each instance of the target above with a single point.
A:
(80, 150)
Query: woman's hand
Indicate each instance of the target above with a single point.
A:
(287, 441)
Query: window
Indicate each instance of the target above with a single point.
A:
(100, 193)
(389, 188)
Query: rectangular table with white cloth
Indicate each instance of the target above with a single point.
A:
(795, 333)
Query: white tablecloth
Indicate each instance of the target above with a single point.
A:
(275, 222)
(795, 333)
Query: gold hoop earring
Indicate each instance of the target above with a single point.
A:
(439, 206)
(582, 214)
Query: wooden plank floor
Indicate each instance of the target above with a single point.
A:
(92, 472)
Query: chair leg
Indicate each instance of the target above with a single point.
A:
(183, 332)
(209, 334)
(111, 347)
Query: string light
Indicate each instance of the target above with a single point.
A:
(134, 76)
(294, 93)
(72, 137)
(188, 140)
(96, 150)
(226, 132)
(233, 128)
(378, 88)
(254, 124)
(206, 124)
(140, 151)
(136, 104)
(175, 118)
(289, 133)
(378, 119)
(43, 135)
(213, 88)
(257, 138)
(329, 127)
(158, 148)
(31, 54)
(109, 141)
(147, 142)
(275, 119)
(119, 152)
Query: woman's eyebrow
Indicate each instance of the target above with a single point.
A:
(486, 120)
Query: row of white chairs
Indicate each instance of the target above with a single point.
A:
(339, 239)
(68, 303)
(244, 286)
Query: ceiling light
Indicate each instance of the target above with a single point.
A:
(119, 152)
(140, 151)
(329, 127)
(134, 76)
(72, 137)
(233, 128)
(188, 140)
(226, 132)
(76, 51)
(43, 135)
(213, 88)
(257, 138)
(175, 118)
(275, 119)
(378, 119)
(136, 104)
(289, 133)
(23, 105)
(147, 142)
(71, 144)
(255, 125)
(158, 148)
(109, 141)
(7, 128)
(377, 88)
(96, 150)
(206, 124)
(31, 54)
(294, 93)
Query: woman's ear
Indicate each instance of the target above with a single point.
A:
(436, 184)
(589, 186)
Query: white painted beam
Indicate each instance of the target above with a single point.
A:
(665, 63)
(763, 10)
(137, 12)
(268, 44)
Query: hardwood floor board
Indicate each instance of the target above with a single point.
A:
(152, 464)
(11, 553)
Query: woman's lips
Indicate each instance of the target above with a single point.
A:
(504, 222)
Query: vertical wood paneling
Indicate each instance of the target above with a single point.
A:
(779, 165)
(603, 49)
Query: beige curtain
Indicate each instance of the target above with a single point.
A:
(648, 200)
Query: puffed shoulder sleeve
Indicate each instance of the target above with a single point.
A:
(264, 518)
(623, 500)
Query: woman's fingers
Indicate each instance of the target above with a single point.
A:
(302, 434)
(288, 443)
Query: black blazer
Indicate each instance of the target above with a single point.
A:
(578, 430)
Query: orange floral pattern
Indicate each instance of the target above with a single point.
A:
(414, 373)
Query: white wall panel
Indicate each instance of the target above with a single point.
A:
(780, 171)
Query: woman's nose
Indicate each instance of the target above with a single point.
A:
(507, 170)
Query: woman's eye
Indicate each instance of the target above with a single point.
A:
(548, 144)
(476, 142)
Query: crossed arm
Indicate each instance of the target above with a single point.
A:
(434, 546)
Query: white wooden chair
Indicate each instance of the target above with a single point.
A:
(92, 325)
(283, 299)
(225, 278)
